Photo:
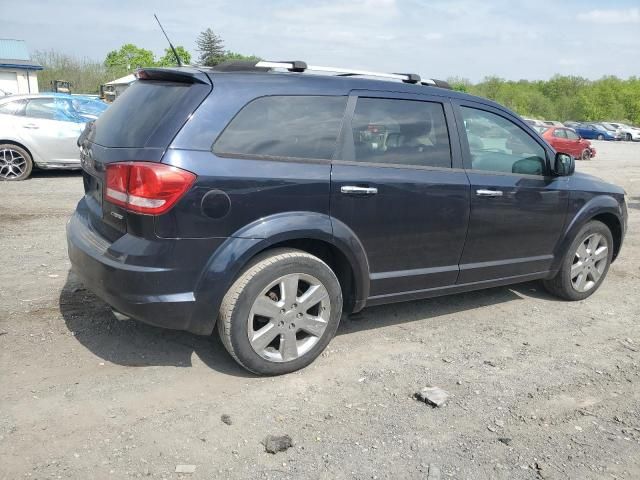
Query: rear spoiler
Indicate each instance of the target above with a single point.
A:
(180, 75)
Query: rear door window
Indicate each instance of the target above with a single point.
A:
(400, 132)
(41, 108)
(12, 108)
(285, 126)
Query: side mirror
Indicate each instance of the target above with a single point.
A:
(564, 165)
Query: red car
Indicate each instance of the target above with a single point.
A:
(566, 140)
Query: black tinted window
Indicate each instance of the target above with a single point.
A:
(403, 132)
(499, 145)
(138, 112)
(285, 126)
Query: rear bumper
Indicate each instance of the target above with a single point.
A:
(148, 280)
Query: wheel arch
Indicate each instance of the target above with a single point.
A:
(314, 233)
(21, 145)
(614, 224)
(603, 208)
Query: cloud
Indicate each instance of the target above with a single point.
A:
(631, 15)
(465, 38)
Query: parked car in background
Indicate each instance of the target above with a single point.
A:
(628, 132)
(612, 130)
(594, 131)
(566, 140)
(571, 124)
(553, 123)
(38, 131)
(534, 123)
(265, 203)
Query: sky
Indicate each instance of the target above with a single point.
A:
(526, 39)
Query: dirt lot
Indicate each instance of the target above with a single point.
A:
(540, 388)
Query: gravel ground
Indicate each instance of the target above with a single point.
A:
(540, 388)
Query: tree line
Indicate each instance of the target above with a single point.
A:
(559, 98)
(86, 75)
(563, 97)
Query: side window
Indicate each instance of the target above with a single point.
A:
(403, 132)
(285, 126)
(571, 135)
(499, 145)
(66, 111)
(41, 108)
(560, 133)
(12, 108)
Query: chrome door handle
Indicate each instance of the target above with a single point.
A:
(352, 190)
(32, 126)
(489, 193)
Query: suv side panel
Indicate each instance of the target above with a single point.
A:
(514, 231)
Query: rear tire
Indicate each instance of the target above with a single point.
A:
(585, 264)
(586, 154)
(600, 137)
(628, 137)
(259, 313)
(15, 163)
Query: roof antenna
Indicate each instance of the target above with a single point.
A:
(170, 44)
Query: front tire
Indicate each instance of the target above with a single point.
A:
(585, 264)
(586, 154)
(628, 137)
(15, 163)
(281, 312)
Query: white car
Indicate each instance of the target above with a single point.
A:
(629, 133)
(535, 123)
(37, 131)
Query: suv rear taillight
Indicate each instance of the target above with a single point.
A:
(145, 187)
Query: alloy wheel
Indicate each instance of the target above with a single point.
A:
(289, 317)
(589, 262)
(12, 164)
(586, 155)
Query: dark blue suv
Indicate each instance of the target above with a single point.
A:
(270, 198)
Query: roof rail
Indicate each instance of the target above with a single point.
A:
(299, 66)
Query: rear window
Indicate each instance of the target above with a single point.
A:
(285, 126)
(144, 108)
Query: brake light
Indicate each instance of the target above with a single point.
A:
(145, 187)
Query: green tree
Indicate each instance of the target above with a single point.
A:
(169, 59)
(210, 47)
(85, 75)
(235, 56)
(129, 57)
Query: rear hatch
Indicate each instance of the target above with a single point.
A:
(138, 127)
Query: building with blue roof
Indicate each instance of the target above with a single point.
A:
(18, 73)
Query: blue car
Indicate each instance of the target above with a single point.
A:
(593, 131)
